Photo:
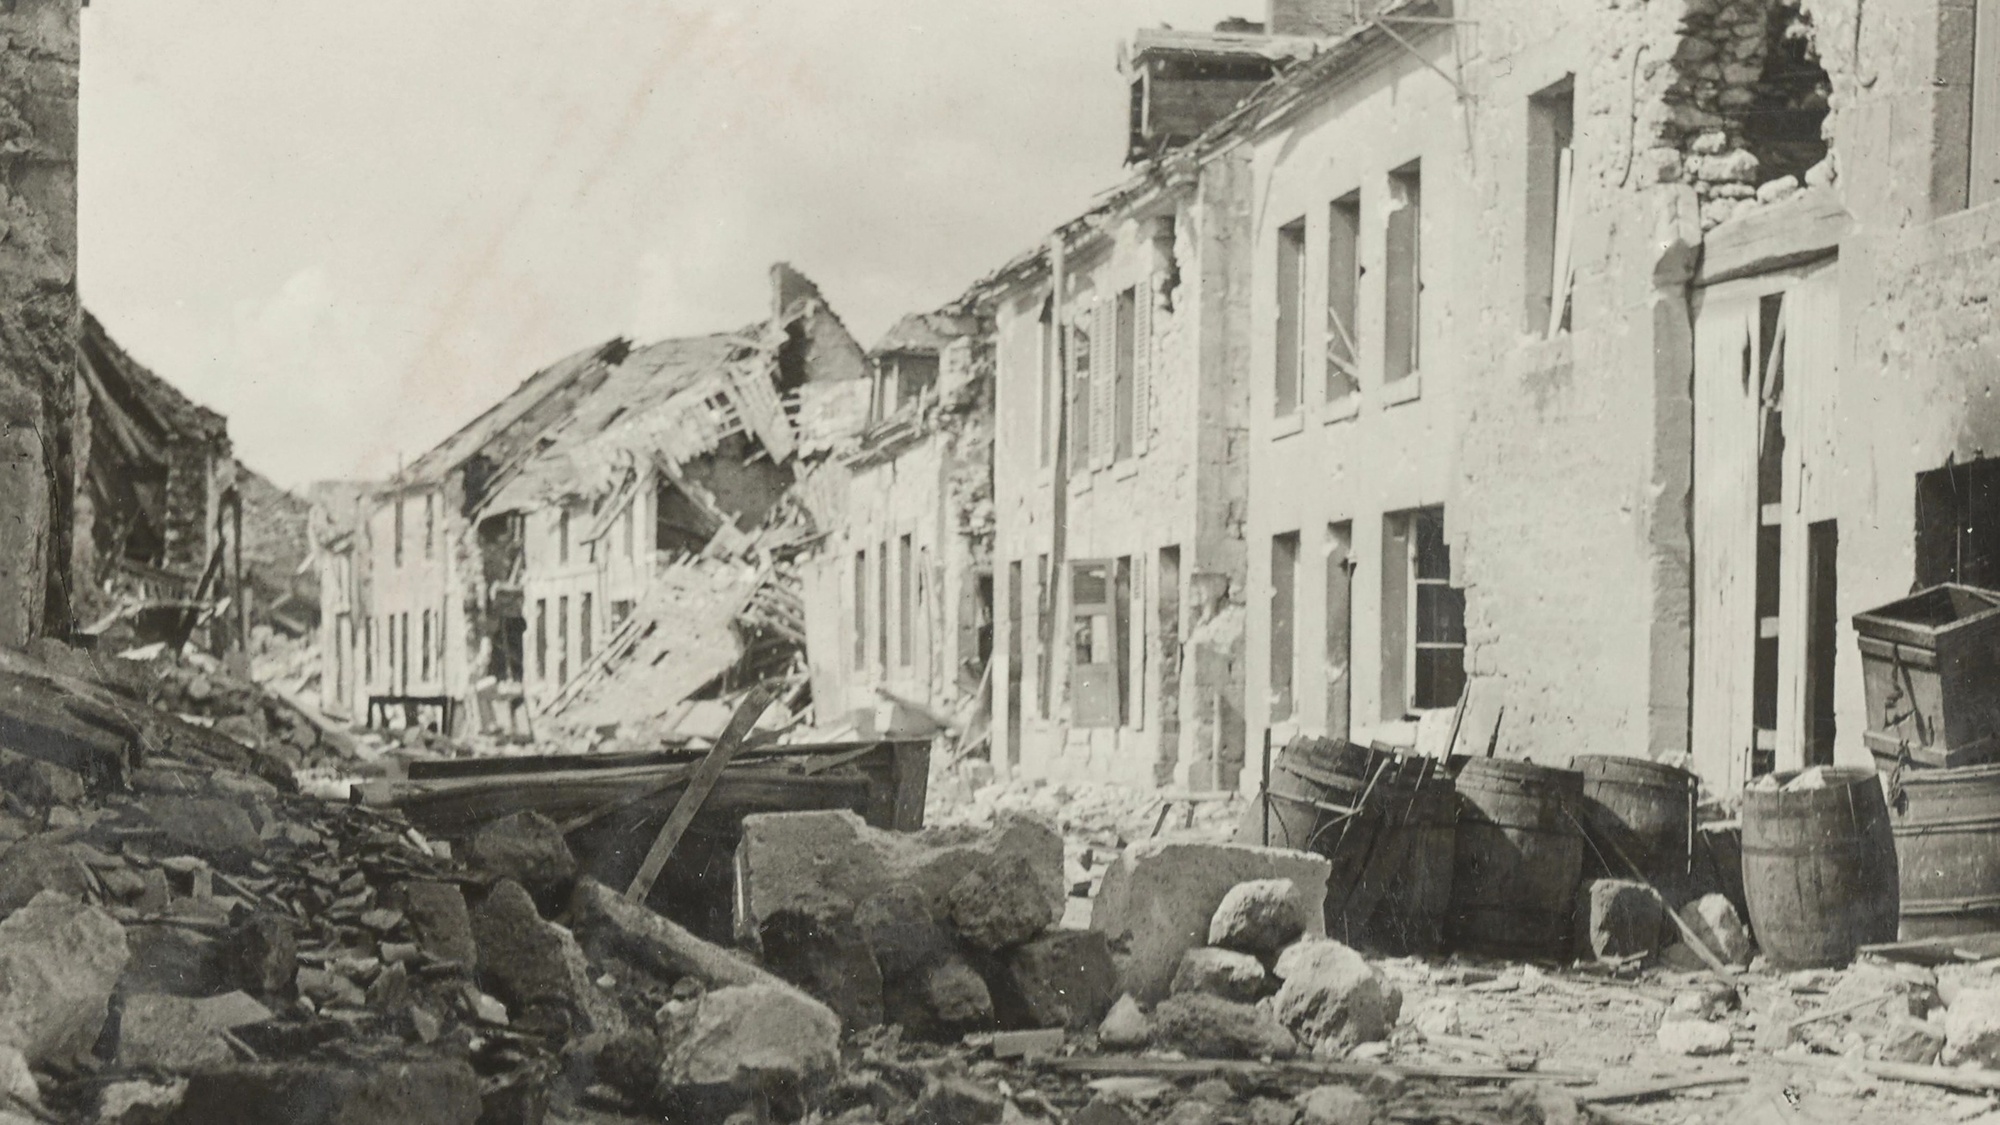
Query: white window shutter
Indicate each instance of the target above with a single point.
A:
(1142, 367)
(1103, 378)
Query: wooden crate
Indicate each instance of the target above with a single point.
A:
(1930, 670)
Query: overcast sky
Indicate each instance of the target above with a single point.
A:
(350, 226)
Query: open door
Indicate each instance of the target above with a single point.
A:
(1764, 537)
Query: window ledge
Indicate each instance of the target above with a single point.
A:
(1342, 409)
(1080, 483)
(1407, 389)
(1285, 425)
(1126, 469)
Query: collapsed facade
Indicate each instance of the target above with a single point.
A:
(626, 507)
(1567, 377)
(898, 595)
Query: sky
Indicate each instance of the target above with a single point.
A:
(351, 226)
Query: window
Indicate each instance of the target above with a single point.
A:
(1339, 628)
(1437, 660)
(631, 521)
(542, 639)
(562, 538)
(1049, 369)
(585, 625)
(1016, 657)
(389, 651)
(430, 524)
(882, 605)
(403, 657)
(1125, 360)
(1126, 611)
(1044, 639)
(368, 649)
(1551, 126)
(621, 611)
(1291, 309)
(860, 609)
(562, 641)
(1403, 322)
(399, 531)
(1168, 580)
(1985, 117)
(1093, 655)
(425, 675)
(905, 594)
(1343, 297)
(1079, 396)
(1284, 622)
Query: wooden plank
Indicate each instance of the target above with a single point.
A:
(1804, 229)
(1725, 527)
(699, 785)
(1149, 1066)
(912, 785)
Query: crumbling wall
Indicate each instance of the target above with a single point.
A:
(1737, 103)
(38, 314)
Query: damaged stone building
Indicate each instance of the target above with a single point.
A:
(899, 593)
(1566, 373)
(616, 509)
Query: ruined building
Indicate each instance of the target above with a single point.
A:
(1565, 374)
(608, 540)
(899, 593)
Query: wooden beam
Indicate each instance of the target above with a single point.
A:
(1804, 229)
(703, 780)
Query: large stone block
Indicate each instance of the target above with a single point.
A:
(1210, 1027)
(59, 961)
(1063, 979)
(1160, 897)
(825, 864)
(744, 1041)
(1616, 919)
(1332, 997)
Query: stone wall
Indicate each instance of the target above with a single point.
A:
(38, 315)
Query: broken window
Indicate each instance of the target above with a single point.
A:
(1343, 290)
(916, 375)
(562, 641)
(1403, 235)
(680, 526)
(1079, 414)
(1125, 648)
(1291, 289)
(882, 605)
(1551, 127)
(1770, 531)
(1016, 655)
(1044, 640)
(542, 639)
(1284, 616)
(1958, 525)
(861, 609)
(586, 621)
(905, 596)
(1783, 125)
(1339, 627)
(1423, 616)
(1093, 654)
(1126, 318)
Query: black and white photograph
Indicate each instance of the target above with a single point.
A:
(954, 562)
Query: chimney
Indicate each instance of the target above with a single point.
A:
(1319, 19)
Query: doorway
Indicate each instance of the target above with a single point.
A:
(1764, 531)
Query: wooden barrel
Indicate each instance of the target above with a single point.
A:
(1517, 858)
(1642, 807)
(1420, 828)
(1309, 775)
(1819, 869)
(1947, 830)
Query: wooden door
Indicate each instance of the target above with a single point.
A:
(1763, 442)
